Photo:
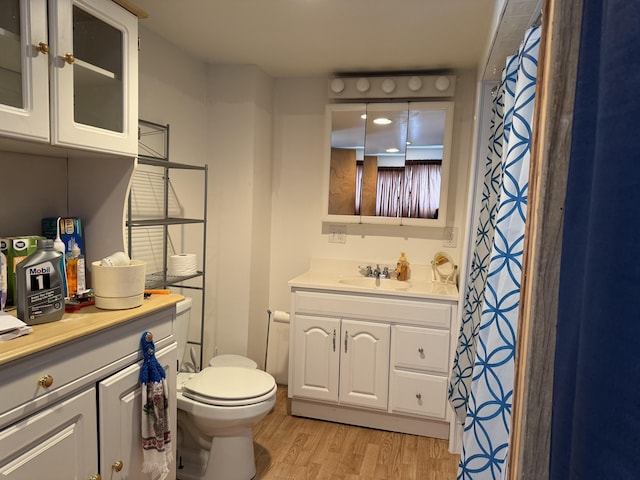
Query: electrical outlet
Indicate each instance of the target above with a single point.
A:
(450, 237)
(338, 234)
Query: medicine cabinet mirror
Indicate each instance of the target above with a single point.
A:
(388, 163)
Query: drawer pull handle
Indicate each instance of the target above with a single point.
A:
(421, 351)
(346, 339)
(334, 339)
(46, 381)
(419, 396)
(117, 466)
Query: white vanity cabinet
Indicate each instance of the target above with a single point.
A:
(342, 361)
(74, 410)
(376, 360)
(68, 74)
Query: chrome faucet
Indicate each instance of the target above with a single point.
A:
(369, 271)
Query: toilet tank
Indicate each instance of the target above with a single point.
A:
(181, 326)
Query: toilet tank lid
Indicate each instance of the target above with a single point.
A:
(232, 360)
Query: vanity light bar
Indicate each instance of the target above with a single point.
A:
(398, 86)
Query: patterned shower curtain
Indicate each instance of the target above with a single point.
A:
(481, 387)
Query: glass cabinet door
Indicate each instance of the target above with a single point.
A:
(98, 87)
(24, 86)
(10, 58)
(94, 76)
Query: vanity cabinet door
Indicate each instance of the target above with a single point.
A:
(120, 400)
(58, 442)
(316, 357)
(364, 367)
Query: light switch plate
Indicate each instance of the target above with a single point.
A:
(450, 237)
(338, 234)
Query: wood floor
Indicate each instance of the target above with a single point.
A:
(288, 447)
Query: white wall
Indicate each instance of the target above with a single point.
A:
(240, 107)
(172, 90)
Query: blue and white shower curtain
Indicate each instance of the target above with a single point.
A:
(481, 387)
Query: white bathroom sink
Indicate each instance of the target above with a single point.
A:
(377, 283)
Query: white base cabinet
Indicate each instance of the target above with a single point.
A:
(120, 400)
(378, 361)
(74, 411)
(58, 442)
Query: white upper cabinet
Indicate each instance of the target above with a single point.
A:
(24, 64)
(75, 86)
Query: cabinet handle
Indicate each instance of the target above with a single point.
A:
(117, 466)
(334, 339)
(346, 338)
(421, 351)
(419, 396)
(46, 381)
(43, 47)
(69, 58)
(95, 476)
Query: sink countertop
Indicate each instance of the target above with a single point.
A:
(74, 325)
(354, 283)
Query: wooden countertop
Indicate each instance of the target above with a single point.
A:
(78, 324)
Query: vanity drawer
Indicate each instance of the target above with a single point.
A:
(421, 348)
(418, 394)
(74, 364)
(388, 309)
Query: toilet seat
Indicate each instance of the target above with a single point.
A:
(229, 386)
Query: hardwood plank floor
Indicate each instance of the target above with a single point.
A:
(288, 448)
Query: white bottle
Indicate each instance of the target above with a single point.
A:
(58, 246)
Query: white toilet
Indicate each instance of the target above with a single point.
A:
(217, 409)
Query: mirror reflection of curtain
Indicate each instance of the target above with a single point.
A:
(421, 193)
(359, 169)
(389, 191)
(411, 191)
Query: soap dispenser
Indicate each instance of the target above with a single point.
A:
(402, 267)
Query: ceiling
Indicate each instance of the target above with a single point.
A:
(305, 38)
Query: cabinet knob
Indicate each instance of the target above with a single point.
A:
(117, 466)
(46, 381)
(96, 476)
(43, 47)
(69, 58)
(419, 396)
(421, 351)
